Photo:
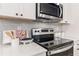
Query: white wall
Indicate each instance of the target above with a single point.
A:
(72, 30)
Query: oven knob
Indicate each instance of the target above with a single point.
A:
(35, 31)
(38, 31)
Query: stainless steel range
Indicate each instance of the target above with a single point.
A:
(55, 46)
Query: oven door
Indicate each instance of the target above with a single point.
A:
(62, 51)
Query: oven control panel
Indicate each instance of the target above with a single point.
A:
(42, 31)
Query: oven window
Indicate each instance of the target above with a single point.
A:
(44, 38)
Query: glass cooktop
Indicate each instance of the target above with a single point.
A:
(56, 43)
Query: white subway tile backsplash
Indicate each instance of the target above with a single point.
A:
(12, 25)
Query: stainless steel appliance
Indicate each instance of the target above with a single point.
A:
(49, 12)
(55, 46)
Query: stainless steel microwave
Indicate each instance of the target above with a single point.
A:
(49, 12)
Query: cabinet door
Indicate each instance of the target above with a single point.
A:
(27, 10)
(8, 9)
(76, 48)
(67, 12)
(21, 10)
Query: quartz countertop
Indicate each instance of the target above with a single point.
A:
(22, 50)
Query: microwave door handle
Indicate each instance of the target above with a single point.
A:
(60, 11)
(38, 6)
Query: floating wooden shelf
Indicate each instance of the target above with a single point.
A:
(19, 19)
(64, 23)
(15, 19)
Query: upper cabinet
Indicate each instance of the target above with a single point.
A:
(27, 10)
(7, 9)
(20, 10)
(67, 13)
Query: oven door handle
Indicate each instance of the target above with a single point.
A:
(60, 50)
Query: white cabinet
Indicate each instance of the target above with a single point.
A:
(66, 13)
(27, 10)
(21, 10)
(8, 9)
(76, 48)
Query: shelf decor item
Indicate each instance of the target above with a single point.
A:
(9, 36)
(14, 37)
(21, 34)
(15, 42)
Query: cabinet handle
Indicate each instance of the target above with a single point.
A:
(21, 14)
(16, 14)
